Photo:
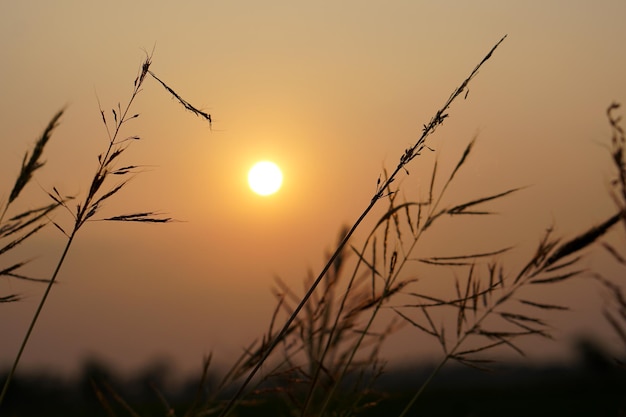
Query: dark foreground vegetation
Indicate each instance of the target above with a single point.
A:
(594, 386)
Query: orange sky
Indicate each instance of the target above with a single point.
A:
(331, 91)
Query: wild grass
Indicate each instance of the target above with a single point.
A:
(325, 357)
(382, 189)
(331, 351)
(326, 366)
(108, 180)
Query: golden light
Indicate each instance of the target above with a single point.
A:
(265, 178)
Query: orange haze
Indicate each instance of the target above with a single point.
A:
(331, 91)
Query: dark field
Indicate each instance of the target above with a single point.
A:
(595, 386)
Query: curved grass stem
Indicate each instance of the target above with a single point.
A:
(36, 316)
(85, 211)
(409, 154)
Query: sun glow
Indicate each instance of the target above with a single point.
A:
(265, 178)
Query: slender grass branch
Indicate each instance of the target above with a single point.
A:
(387, 288)
(36, 316)
(409, 154)
(550, 256)
(92, 201)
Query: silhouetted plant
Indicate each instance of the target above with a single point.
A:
(22, 226)
(100, 190)
(330, 341)
(490, 308)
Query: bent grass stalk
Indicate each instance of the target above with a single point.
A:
(399, 259)
(96, 196)
(409, 154)
(32, 163)
(316, 329)
(549, 265)
(27, 223)
(23, 220)
(84, 211)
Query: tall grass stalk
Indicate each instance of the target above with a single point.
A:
(496, 296)
(409, 154)
(84, 211)
(331, 326)
(551, 264)
(16, 224)
(490, 309)
(98, 194)
(394, 261)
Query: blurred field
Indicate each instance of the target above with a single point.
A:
(594, 386)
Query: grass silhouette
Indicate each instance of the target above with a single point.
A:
(324, 359)
(30, 222)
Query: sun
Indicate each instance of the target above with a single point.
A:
(265, 178)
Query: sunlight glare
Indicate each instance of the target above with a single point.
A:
(265, 178)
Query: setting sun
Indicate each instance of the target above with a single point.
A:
(265, 178)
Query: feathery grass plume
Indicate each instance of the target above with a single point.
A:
(30, 165)
(415, 218)
(22, 226)
(382, 189)
(582, 241)
(487, 311)
(99, 192)
(331, 349)
(316, 347)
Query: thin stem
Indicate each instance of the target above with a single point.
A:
(353, 351)
(407, 157)
(432, 216)
(424, 385)
(80, 218)
(36, 316)
(237, 397)
(82, 215)
(446, 358)
(329, 341)
(388, 284)
(486, 313)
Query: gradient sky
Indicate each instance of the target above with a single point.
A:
(331, 91)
